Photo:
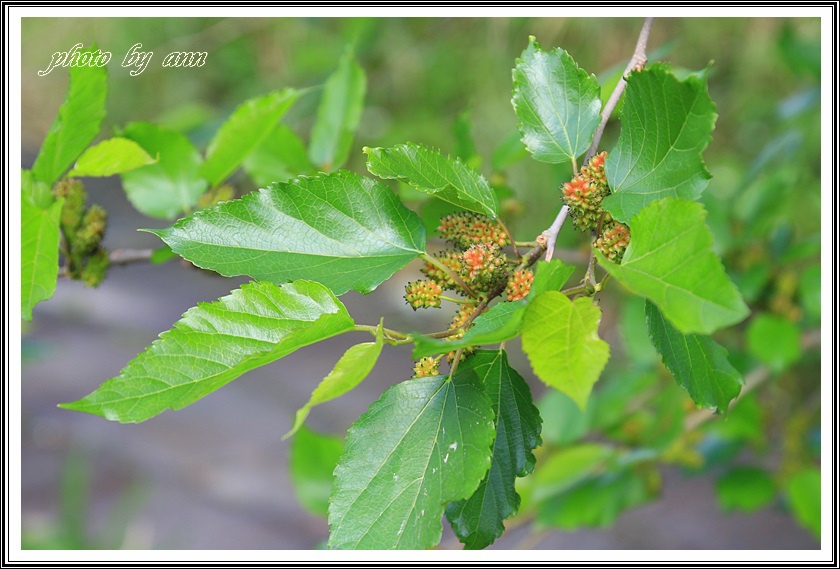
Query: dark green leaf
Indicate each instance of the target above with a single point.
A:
(77, 123)
(246, 128)
(425, 442)
(170, 187)
(665, 126)
(557, 103)
(809, 292)
(671, 262)
(353, 367)
(213, 344)
(312, 459)
(280, 157)
(429, 171)
(804, 494)
(561, 340)
(340, 229)
(699, 364)
(39, 240)
(774, 340)
(109, 157)
(338, 115)
(745, 488)
(478, 520)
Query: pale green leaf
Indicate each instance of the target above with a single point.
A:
(37, 192)
(745, 488)
(665, 126)
(561, 340)
(557, 103)
(40, 237)
(246, 128)
(312, 459)
(338, 115)
(550, 275)
(699, 364)
(353, 367)
(670, 261)
(425, 442)
(433, 173)
(478, 520)
(171, 186)
(213, 344)
(280, 157)
(339, 229)
(110, 157)
(76, 124)
(804, 494)
(774, 340)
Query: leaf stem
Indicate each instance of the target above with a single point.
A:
(636, 62)
(510, 236)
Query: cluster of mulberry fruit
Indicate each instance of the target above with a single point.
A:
(583, 194)
(83, 229)
(475, 266)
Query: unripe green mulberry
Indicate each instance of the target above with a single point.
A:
(451, 259)
(423, 294)
(613, 241)
(90, 233)
(468, 228)
(425, 367)
(95, 268)
(485, 267)
(584, 193)
(75, 199)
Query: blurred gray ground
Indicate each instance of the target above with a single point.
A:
(215, 473)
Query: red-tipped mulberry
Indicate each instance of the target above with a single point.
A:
(423, 294)
(519, 284)
(613, 241)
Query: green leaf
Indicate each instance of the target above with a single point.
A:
(699, 364)
(568, 467)
(338, 115)
(477, 521)
(550, 275)
(246, 128)
(161, 255)
(809, 292)
(561, 340)
(38, 193)
(213, 344)
(429, 171)
(76, 124)
(353, 367)
(557, 103)
(340, 229)
(638, 346)
(671, 262)
(501, 322)
(745, 488)
(563, 421)
(774, 340)
(40, 237)
(804, 494)
(281, 156)
(665, 126)
(312, 459)
(109, 157)
(425, 442)
(171, 186)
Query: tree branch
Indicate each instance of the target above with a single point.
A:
(636, 62)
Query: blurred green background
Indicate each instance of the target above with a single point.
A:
(430, 78)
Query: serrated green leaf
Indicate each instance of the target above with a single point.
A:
(338, 115)
(76, 124)
(804, 492)
(312, 459)
(478, 520)
(110, 157)
(280, 157)
(557, 103)
(665, 126)
(213, 344)
(39, 240)
(425, 442)
(560, 338)
(246, 128)
(774, 340)
(171, 186)
(551, 275)
(745, 488)
(38, 193)
(501, 322)
(699, 364)
(670, 261)
(433, 173)
(339, 229)
(353, 367)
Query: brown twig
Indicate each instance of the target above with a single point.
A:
(636, 62)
